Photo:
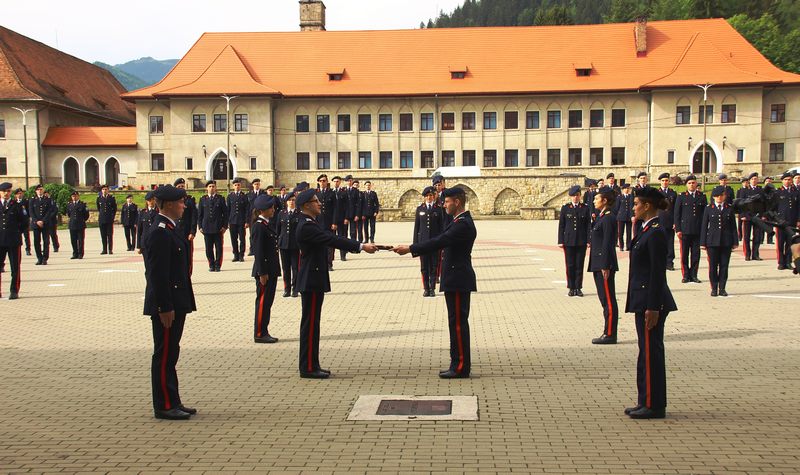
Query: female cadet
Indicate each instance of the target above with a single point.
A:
(718, 237)
(266, 266)
(603, 262)
(650, 299)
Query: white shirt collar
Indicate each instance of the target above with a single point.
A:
(647, 223)
(459, 215)
(170, 219)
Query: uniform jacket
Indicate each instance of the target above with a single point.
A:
(42, 209)
(457, 241)
(287, 228)
(166, 263)
(588, 200)
(251, 197)
(77, 214)
(25, 203)
(788, 205)
(624, 207)
(719, 227)
(188, 222)
(689, 209)
(445, 217)
(647, 281)
(212, 214)
(603, 254)
(354, 203)
(265, 248)
(342, 204)
(12, 223)
(666, 217)
(428, 223)
(314, 241)
(107, 209)
(328, 199)
(728, 195)
(238, 207)
(573, 225)
(146, 219)
(129, 215)
(370, 204)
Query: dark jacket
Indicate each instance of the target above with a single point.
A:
(107, 209)
(251, 197)
(265, 248)
(25, 203)
(689, 209)
(428, 223)
(728, 195)
(238, 207)
(143, 222)
(603, 253)
(370, 204)
(719, 227)
(588, 200)
(342, 200)
(457, 241)
(42, 209)
(354, 203)
(188, 222)
(647, 281)
(328, 199)
(212, 214)
(314, 241)
(623, 207)
(12, 224)
(166, 262)
(287, 228)
(78, 214)
(129, 215)
(573, 225)
(787, 205)
(666, 217)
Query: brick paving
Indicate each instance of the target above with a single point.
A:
(75, 349)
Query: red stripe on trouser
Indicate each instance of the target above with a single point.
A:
(610, 308)
(683, 268)
(164, 357)
(778, 250)
(460, 366)
(647, 362)
(311, 332)
(261, 308)
(566, 264)
(422, 277)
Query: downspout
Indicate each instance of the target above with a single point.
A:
(38, 148)
(438, 131)
(272, 108)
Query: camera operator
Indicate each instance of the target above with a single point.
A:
(787, 211)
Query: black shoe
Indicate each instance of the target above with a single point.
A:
(172, 414)
(647, 413)
(578, 293)
(188, 410)
(326, 371)
(330, 267)
(38, 263)
(747, 258)
(44, 262)
(212, 269)
(318, 374)
(758, 258)
(685, 280)
(13, 296)
(103, 253)
(723, 293)
(604, 340)
(450, 374)
(218, 269)
(696, 280)
(27, 252)
(295, 295)
(781, 267)
(286, 293)
(713, 292)
(74, 257)
(265, 339)
(670, 267)
(571, 293)
(111, 252)
(628, 410)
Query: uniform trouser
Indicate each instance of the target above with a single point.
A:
(42, 249)
(690, 244)
(357, 230)
(607, 293)
(27, 235)
(214, 248)
(719, 257)
(130, 236)
(753, 237)
(167, 348)
(107, 236)
(251, 253)
(574, 257)
(77, 237)
(739, 226)
(670, 233)
(265, 296)
(54, 237)
(14, 257)
(458, 322)
(651, 372)
(624, 234)
(369, 229)
(429, 265)
(341, 231)
(237, 239)
(290, 260)
(309, 330)
(783, 248)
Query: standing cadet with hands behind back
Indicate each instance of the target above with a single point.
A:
(689, 208)
(12, 225)
(212, 218)
(428, 224)
(573, 236)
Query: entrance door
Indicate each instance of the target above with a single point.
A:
(92, 172)
(218, 168)
(112, 172)
(707, 165)
(71, 174)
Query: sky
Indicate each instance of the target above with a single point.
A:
(114, 31)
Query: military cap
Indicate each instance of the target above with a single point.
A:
(129, 196)
(39, 185)
(610, 175)
(641, 174)
(752, 175)
(19, 190)
(169, 193)
(648, 192)
(769, 186)
(452, 192)
(663, 175)
(149, 195)
(74, 193)
(103, 186)
(211, 182)
(303, 185)
(786, 175)
(304, 197)
(237, 180)
(436, 179)
(605, 189)
(322, 176)
(691, 177)
(589, 182)
(256, 180)
(179, 181)
(625, 185)
(718, 191)
(337, 177)
(291, 195)
(270, 186)
(722, 176)
(428, 190)
(744, 179)
(574, 190)
(795, 173)
(264, 202)
(5, 186)
(348, 177)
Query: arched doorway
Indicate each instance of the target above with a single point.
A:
(112, 172)
(218, 171)
(92, 171)
(708, 164)
(71, 172)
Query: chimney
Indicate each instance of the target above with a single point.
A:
(312, 15)
(640, 34)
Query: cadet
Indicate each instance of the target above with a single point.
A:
(788, 210)
(78, 214)
(588, 197)
(603, 263)
(689, 208)
(641, 182)
(282, 197)
(146, 218)
(354, 202)
(795, 181)
(370, 209)
(107, 211)
(128, 218)
(666, 218)
(187, 224)
(52, 225)
(20, 194)
(458, 277)
(650, 299)
(266, 266)
(212, 217)
(327, 199)
(12, 225)
(168, 297)
(753, 236)
(741, 193)
(340, 220)
(42, 211)
(612, 183)
(573, 236)
(723, 182)
(287, 243)
(314, 239)
(440, 186)
(624, 212)
(428, 224)
(238, 217)
(718, 238)
(251, 196)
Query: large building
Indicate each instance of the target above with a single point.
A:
(512, 114)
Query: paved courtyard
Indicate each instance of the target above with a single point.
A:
(75, 350)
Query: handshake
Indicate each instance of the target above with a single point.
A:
(372, 248)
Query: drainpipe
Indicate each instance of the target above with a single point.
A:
(438, 132)
(272, 108)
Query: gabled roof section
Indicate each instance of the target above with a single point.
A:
(90, 137)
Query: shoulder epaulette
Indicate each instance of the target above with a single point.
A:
(162, 225)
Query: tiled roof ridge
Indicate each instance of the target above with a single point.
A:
(6, 61)
(678, 62)
(174, 67)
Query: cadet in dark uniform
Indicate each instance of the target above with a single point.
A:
(107, 211)
(20, 194)
(788, 210)
(251, 197)
(689, 208)
(212, 217)
(440, 186)
(753, 234)
(42, 211)
(52, 226)
(641, 182)
(624, 212)
(588, 198)
(723, 182)
(12, 225)
(342, 204)
(458, 277)
(287, 243)
(718, 238)
(187, 224)
(355, 202)
(742, 193)
(371, 207)
(603, 263)
(666, 219)
(650, 299)
(128, 218)
(238, 207)
(146, 218)
(612, 183)
(77, 214)
(573, 236)
(327, 199)
(428, 224)
(266, 266)
(168, 297)
(313, 280)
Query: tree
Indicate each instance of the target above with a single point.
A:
(555, 15)
(783, 50)
(625, 11)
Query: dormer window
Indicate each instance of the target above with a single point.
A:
(458, 73)
(336, 75)
(583, 70)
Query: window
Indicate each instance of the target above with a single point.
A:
(575, 157)
(3, 166)
(302, 123)
(448, 158)
(2, 129)
(448, 121)
(489, 120)
(778, 113)
(468, 158)
(596, 118)
(670, 156)
(596, 156)
(343, 123)
(220, 122)
(303, 159)
(323, 123)
(740, 155)
(156, 125)
(427, 158)
(553, 119)
(532, 157)
(406, 159)
(323, 160)
(490, 158)
(406, 122)
(776, 152)
(240, 123)
(511, 120)
(426, 121)
(683, 115)
(728, 113)
(335, 76)
(198, 123)
(253, 162)
(157, 162)
(344, 160)
(385, 160)
(458, 74)
(618, 155)
(532, 120)
(364, 123)
(189, 163)
(583, 72)
(575, 119)
(385, 123)
(364, 160)
(706, 113)
(553, 157)
(512, 158)
(618, 118)
(468, 121)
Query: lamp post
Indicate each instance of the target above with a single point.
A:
(705, 89)
(24, 113)
(228, 100)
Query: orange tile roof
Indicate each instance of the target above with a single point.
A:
(90, 137)
(502, 60)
